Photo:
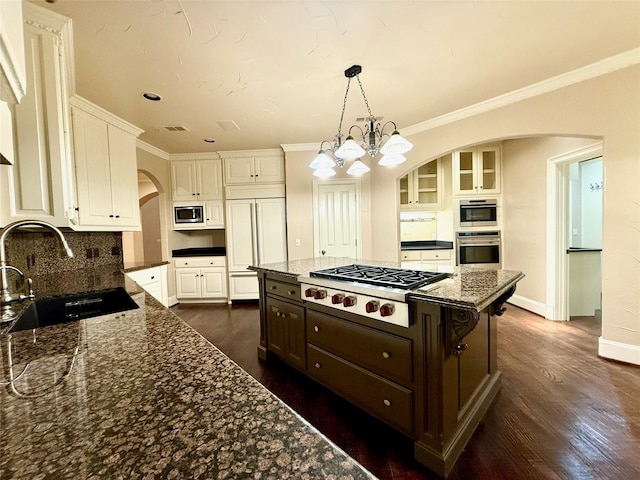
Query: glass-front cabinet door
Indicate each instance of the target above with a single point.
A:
(476, 171)
(421, 188)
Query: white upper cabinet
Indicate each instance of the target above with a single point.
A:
(259, 166)
(421, 189)
(106, 169)
(196, 180)
(39, 184)
(13, 78)
(476, 171)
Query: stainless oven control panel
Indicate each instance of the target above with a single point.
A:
(377, 308)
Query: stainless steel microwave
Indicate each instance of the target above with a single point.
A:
(479, 212)
(188, 215)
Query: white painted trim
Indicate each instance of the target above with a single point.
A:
(622, 352)
(86, 106)
(316, 213)
(300, 147)
(195, 156)
(265, 152)
(597, 69)
(142, 145)
(557, 243)
(529, 305)
(173, 300)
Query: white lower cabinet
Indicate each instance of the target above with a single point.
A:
(243, 286)
(154, 282)
(420, 259)
(201, 278)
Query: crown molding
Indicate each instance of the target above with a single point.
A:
(195, 156)
(300, 147)
(266, 152)
(152, 150)
(86, 106)
(588, 72)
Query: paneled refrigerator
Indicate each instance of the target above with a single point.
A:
(256, 234)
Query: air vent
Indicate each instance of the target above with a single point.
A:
(176, 128)
(228, 125)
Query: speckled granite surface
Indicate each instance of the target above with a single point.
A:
(135, 266)
(469, 288)
(145, 396)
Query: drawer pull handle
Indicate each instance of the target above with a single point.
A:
(387, 403)
(317, 365)
(386, 355)
(273, 287)
(316, 328)
(152, 277)
(291, 292)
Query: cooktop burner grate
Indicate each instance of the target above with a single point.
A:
(381, 276)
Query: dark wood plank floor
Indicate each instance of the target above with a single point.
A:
(562, 412)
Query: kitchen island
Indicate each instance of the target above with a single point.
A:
(422, 358)
(140, 394)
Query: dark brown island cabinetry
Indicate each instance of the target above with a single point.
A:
(433, 380)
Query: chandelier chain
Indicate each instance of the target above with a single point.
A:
(344, 107)
(366, 102)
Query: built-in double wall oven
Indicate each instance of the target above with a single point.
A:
(480, 248)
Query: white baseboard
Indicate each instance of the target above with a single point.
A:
(622, 352)
(530, 305)
(173, 300)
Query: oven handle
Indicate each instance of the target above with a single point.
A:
(483, 244)
(486, 205)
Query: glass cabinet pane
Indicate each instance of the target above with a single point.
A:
(404, 190)
(488, 160)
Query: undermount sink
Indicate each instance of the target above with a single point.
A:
(70, 308)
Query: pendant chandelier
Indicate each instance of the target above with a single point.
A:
(371, 139)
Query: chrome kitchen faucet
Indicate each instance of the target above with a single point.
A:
(6, 297)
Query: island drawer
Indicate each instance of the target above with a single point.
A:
(283, 289)
(386, 400)
(381, 352)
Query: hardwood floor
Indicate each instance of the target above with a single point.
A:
(562, 412)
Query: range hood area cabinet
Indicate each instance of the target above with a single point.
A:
(476, 171)
(13, 79)
(106, 169)
(256, 234)
(39, 185)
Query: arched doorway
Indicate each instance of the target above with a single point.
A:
(146, 245)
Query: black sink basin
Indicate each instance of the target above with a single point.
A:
(52, 311)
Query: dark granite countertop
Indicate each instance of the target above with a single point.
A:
(426, 245)
(145, 396)
(200, 252)
(135, 266)
(468, 288)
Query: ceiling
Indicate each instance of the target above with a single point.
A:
(275, 69)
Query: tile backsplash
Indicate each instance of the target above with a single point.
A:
(42, 254)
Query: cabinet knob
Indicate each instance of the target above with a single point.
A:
(152, 277)
(193, 194)
(316, 328)
(317, 365)
(458, 349)
(110, 216)
(387, 403)
(117, 216)
(291, 292)
(273, 287)
(386, 354)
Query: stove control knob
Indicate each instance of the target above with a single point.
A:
(387, 310)
(349, 301)
(320, 294)
(337, 298)
(372, 306)
(310, 292)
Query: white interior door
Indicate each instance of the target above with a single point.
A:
(337, 220)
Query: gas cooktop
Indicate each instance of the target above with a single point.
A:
(389, 277)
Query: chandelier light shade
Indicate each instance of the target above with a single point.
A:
(371, 139)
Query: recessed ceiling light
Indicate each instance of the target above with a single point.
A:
(154, 97)
(209, 140)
